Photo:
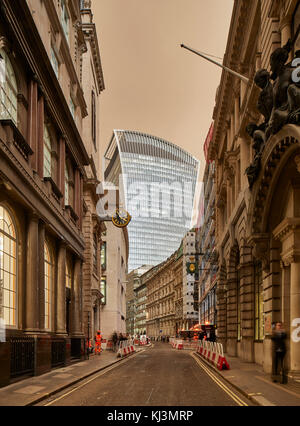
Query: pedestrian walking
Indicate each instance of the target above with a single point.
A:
(278, 337)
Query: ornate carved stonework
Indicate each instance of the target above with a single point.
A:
(260, 244)
(278, 103)
(274, 158)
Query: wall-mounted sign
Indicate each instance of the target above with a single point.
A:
(191, 267)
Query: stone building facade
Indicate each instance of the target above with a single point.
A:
(113, 311)
(206, 243)
(132, 298)
(257, 183)
(172, 291)
(160, 305)
(140, 314)
(93, 85)
(43, 162)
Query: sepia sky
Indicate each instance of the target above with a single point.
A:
(152, 84)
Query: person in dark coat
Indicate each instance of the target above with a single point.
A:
(278, 338)
(115, 340)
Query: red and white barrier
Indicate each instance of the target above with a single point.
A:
(213, 353)
(126, 347)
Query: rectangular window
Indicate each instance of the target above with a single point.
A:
(65, 20)
(103, 256)
(95, 254)
(103, 290)
(54, 62)
(47, 153)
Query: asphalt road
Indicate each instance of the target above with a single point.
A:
(159, 376)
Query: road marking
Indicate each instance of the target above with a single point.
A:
(229, 392)
(94, 378)
(150, 395)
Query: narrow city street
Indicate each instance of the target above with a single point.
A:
(159, 376)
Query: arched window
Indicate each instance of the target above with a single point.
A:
(48, 286)
(47, 153)
(8, 269)
(8, 87)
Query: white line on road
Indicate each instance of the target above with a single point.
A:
(148, 400)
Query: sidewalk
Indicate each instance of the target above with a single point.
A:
(34, 389)
(254, 383)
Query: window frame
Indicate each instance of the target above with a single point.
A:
(65, 23)
(49, 150)
(13, 87)
(51, 265)
(16, 264)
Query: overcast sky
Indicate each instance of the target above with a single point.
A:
(152, 84)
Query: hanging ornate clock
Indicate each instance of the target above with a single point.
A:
(121, 218)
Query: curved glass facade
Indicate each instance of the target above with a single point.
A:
(159, 181)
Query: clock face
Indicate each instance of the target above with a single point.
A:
(121, 218)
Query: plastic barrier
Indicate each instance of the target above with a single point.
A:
(213, 353)
(179, 344)
(126, 347)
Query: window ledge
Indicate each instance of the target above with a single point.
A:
(72, 212)
(54, 187)
(18, 139)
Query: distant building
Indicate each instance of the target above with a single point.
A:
(133, 282)
(113, 308)
(140, 313)
(206, 244)
(172, 291)
(159, 187)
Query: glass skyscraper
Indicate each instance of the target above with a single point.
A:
(159, 181)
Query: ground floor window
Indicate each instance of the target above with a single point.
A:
(48, 286)
(8, 268)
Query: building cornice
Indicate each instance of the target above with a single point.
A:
(90, 35)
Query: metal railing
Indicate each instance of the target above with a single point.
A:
(58, 352)
(22, 351)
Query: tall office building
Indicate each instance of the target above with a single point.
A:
(159, 181)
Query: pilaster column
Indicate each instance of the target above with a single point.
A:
(76, 306)
(32, 263)
(41, 275)
(61, 290)
(32, 133)
(61, 167)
